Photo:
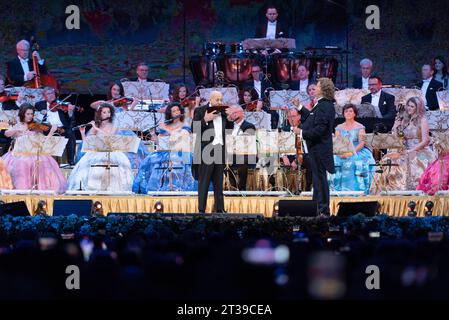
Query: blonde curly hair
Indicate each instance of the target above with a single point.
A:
(327, 88)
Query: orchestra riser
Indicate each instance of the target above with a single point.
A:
(392, 205)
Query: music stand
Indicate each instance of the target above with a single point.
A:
(108, 144)
(175, 142)
(39, 145)
(243, 145)
(379, 142)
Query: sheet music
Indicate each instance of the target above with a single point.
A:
(111, 143)
(260, 119)
(147, 90)
(32, 145)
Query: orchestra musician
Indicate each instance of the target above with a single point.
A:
(31, 171)
(249, 100)
(209, 153)
(64, 120)
(186, 101)
(271, 28)
(154, 172)
(116, 97)
(20, 69)
(142, 71)
(240, 163)
(92, 171)
(292, 161)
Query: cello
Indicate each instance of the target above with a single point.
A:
(41, 80)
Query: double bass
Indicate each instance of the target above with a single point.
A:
(41, 80)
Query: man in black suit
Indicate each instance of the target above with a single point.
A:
(366, 67)
(59, 118)
(303, 82)
(240, 163)
(142, 71)
(316, 129)
(429, 87)
(383, 102)
(20, 69)
(272, 28)
(209, 154)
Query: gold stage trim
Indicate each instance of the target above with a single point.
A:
(393, 205)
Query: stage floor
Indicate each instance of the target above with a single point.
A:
(392, 205)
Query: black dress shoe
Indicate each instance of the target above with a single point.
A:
(222, 212)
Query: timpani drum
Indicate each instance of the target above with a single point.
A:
(286, 66)
(238, 67)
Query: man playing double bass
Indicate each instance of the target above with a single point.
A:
(20, 69)
(316, 129)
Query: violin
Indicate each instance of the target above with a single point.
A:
(39, 127)
(251, 106)
(188, 102)
(63, 106)
(8, 96)
(122, 102)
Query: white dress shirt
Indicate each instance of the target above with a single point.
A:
(258, 87)
(303, 85)
(365, 83)
(218, 127)
(425, 86)
(375, 97)
(236, 130)
(53, 117)
(271, 30)
(26, 68)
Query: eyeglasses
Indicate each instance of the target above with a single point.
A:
(253, 71)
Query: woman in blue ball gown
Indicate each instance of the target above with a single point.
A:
(167, 170)
(354, 171)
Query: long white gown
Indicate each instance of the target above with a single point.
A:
(93, 174)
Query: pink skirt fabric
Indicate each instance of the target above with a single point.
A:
(436, 176)
(24, 172)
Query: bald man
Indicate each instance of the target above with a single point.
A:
(20, 69)
(209, 154)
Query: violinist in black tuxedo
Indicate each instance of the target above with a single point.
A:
(316, 130)
(429, 87)
(20, 69)
(62, 119)
(209, 153)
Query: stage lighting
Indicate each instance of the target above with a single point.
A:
(276, 208)
(41, 209)
(429, 206)
(411, 209)
(97, 209)
(158, 207)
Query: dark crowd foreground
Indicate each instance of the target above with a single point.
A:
(190, 258)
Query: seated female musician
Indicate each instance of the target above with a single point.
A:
(28, 171)
(154, 173)
(181, 95)
(249, 100)
(311, 88)
(115, 94)
(410, 163)
(90, 173)
(353, 170)
(116, 97)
